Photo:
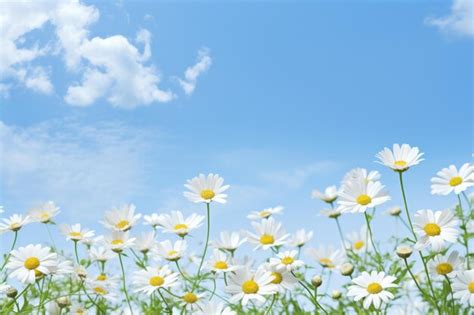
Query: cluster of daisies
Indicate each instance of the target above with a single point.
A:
(163, 270)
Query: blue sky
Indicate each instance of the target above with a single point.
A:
(291, 97)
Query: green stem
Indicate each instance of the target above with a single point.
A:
(164, 300)
(341, 235)
(465, 234)
(271, 305)
(406, 205)
(198, 280)
(372, 240)
(451, 291)
(15, 238)
(414, 279)
(75, 252)
(124, 284)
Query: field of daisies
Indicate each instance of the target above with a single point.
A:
(260, 269)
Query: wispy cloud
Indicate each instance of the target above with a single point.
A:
(192, 73)
(459, 21)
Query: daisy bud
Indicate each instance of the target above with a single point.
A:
(63, 301)
(12, 292)
(404, 251)
(395, 211)
(347, 269)
(316, 281)
(336, 294)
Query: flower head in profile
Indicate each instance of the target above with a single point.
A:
(327, 257)
(265, 213)
(359, 241)
(282, 278)
(99, 289)
(215, 308)
(401, 158)
(450, 179)
(286, 261)
(268, 234)
(44, 213)
(118, 241)
(14, 223)
(329, 195)
(246, 285)
(153, 278)
(220, 262)
(75, 232)
(463, 287)
(145, 242)
(435, 228)
(121, 219)
(333, 213)
(101, 254)
(176, 223)
(206, 189)
(372, 288)
(228, 241)
(361, 174)
(31, 262)
(154, 219)
(300, 238)
(444, 265)
(358, 196)
(170, 251)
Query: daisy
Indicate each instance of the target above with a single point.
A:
(327, 257)
(394, 211)
(463, 287)
(29, 262)
(151, 279)
(286, 261)
(145, 242)
(228, 241)
(361, 174)
(121, 219)
(282, 278)
(154, 219)
(104, 281)
(78, 309)
(14, 223)
(443, 265)
(62, 267)
(220, 262)
(171, 252)
(300, 238)
(265, 213)
(269, 234)
(118, 241)
(75, 232)
(372, 288)
(435, 229)
(332, 213)
(401, 158)
(206, 189)
(245, 285)
(101, 254)
(44, 213)
(359, 241)
(358, 196)
(176, 223)
(451, 180)
(329, 195)
(215, 308)
(190, 301)
(99, 290)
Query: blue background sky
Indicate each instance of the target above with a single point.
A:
(297, 94)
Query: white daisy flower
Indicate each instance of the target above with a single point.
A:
(359, 241)
(269, 233)
(286, 260)
(14, 223)
(361, 174)
(265, 213)
(220, 262)
(215, 308)
(44, 213)
(62, 267)
(191, 301)
(394, 211)
(145, 242)
(332, 213)
(104, 281)
(101, 254)
(435, 229)
(451, 180)
(154, 219)
(463, 287)
(206, 189)
(29, 262)
(327, 257)
(372, 288)
(171, 252)
(78, 309)
(282, 278)
(401, 158)
(151, 279)
(228, 241)
(75, 232)
(121, 219)
(245, 285)
(300, 238)
(97, 289)
(358, 196)
(443, 265)
(329, 195)
(176, 223)
(118, 241)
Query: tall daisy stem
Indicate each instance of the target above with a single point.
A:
(372, 239)
(341, 235)
(206, 245)
(15, 238)
(124, 284)
(465, 234)
(406, 205)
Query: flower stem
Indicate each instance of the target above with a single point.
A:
(465, 234)
(406, 205)
(372, 239)
(124, 284)
(341, 235)
(205, 246)
(15, 238)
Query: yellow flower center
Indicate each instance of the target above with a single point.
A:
(359, 244)
(400, 163)
(207, 194)
(101, 277)
(156, 281)
(38, 274)
(444, 268)
(287, 260)
(75, 234)
(471, 287)
(374, 288)
(265, 214)
(250, 287)
(45, 217)
(122, 224)
(432, 229)
(32, 263)
(172, 252)
(455, 181)
(180, 226)
(190, 298)
(326, 262)
(364, 200)
(221, 265)
(277, 278)
(117, 242)
(266, 239)
(100, 290)
(15, 226)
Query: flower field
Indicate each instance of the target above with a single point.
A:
(119, 270)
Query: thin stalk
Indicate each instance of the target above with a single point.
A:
(341, 235)
(372, 239)
(124, 284)
(15, 238)
(406, 205)
(465, 234)
(206, 245)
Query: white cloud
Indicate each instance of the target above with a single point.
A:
(85, 169)
(191, 74)
(460, 20)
